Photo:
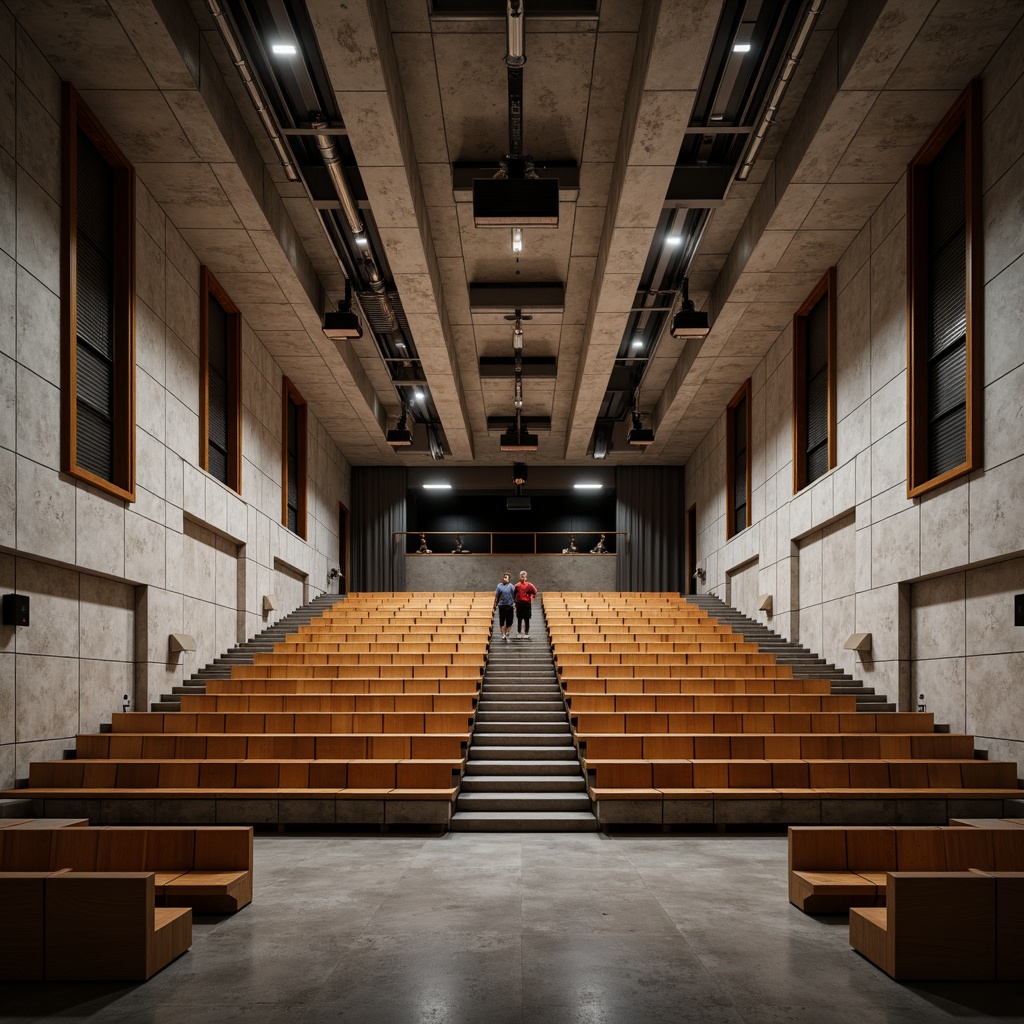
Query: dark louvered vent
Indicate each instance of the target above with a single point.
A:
(947, 306)
(94, 271)
(377, 317)
(293, 465)
(816, 393)
(217, 394)
(739, 466)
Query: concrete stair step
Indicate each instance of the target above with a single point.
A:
(510, 766)
(520, 739)
(534, 801)
(520, 752)
(518, 726)
(523, 821)
(524, 784)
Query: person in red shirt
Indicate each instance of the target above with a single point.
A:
(525, 593)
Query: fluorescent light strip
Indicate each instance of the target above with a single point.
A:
(437, 487)
(588, 487)
(284, 49)
(741, 48)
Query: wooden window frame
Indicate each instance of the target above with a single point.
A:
(210, 287)
(730, 457)
(967, 112)
(824, 289)
(77, 115)
(288, 390)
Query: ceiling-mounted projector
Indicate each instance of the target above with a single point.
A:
(342, 325)
(518, 441)
(689, 323)
(517, 503)
(515, 202)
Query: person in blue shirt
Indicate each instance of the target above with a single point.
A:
(505, 602)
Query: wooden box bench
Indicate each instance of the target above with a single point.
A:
(87, 926)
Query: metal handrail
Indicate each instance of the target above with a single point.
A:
(456, 535)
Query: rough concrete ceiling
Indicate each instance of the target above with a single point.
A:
(614, 94)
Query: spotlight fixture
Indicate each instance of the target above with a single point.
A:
(638, 435)
(342, 324)
(401, 435)
(519, 473)
(688, 322)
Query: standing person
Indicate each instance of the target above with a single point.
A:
(525, 593)
(505, 601)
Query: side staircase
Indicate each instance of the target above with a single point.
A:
(242, 654)
(522, 773)
(805, 664)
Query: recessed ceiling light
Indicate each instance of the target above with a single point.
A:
(399, 344)
(717, 117)
(437, 487)
(638, 343)
(673, 239)
(418, 395)
(284, 49)
(741, 47)
(361, 240)
(588, 487)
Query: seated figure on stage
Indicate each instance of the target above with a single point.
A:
(599, 548)
(459, 549)
(571, 549)
(423, 549)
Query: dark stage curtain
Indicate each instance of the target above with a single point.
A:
(378, 512)
(649, 504)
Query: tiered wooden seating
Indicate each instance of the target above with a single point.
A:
(678, 720)
(363, 717)
(834, 868)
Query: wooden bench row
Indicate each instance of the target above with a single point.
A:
(84, 926)
(657, 777)
(695, 686)
(690, 723)
(254, 722)
(679, 670)
(365, 682)
(322, 643)
(707, 703)
(834, 868)
(363, 703)
(386, 775)
(362, 670)
(945, 926)
(207, 868)
(777, 747)
(718, 643)
(270, 746)
(401, 658)
(612, 658)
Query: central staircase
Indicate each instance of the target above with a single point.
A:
(522, 774)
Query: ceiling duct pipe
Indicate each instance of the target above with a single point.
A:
(252, 88)
(781, 84)
(332, 161)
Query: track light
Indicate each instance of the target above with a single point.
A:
(342, 324)
(401, 435)
(688, 322)
(639, 436)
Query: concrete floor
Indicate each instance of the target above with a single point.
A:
(493, 929)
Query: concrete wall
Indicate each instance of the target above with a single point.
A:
(931, 579)
(108, 580)
(483, 572)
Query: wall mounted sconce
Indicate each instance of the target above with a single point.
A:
(858, 642)
(764, 603)
(269, 603)
(179, 642)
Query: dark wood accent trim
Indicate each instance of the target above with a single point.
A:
(288, 390)
(965, 111)
(826, 287)
(76, 115)
(691, 549)
(730, 455)
(209, 285)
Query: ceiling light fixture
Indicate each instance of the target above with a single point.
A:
(674, 240)
(741, 47)
(688, 322)
(517, 240)
(587, 487)
(437, 487)
(342, 324)
(284, 49)
(638, 343)
(418, 395)
(401, 435)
